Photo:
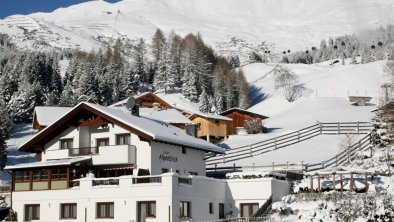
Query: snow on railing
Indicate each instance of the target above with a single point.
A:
(268, 145)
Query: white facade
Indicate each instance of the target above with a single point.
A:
(166, 194)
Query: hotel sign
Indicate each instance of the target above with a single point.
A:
(166, 156)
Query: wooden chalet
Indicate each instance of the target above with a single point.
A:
(239, 116)
(147, 100)
(211, 127)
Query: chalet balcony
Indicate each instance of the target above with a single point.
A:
(115, 154)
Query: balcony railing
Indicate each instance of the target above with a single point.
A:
(83, 151)
(104, 182)
(147, 180)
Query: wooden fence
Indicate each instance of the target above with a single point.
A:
(261, 147)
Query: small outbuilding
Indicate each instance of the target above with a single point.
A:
(147, 100)
(211, 127)
(239, 116)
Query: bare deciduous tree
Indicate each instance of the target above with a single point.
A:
(288, 81)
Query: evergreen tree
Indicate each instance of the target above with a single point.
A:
(3, 149)
(204, 102)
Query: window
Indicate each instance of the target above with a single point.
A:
(22, 176)
(193, 173)
(123, 139)
(68, 211)
(146, 209)
(211, 208)
(32, 212)
(164, 170)
(184, 150)
(66, 143)
(40, 175)
(247, 209)
(102, 142)
(59, 174)
(221, 211)
(105, 210)
(184, 209)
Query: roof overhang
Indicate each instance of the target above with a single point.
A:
(49, 163)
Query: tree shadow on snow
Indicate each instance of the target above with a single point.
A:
(256, 94)
(271, 129)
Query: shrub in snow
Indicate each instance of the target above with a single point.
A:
(253, 126)
(288, 82)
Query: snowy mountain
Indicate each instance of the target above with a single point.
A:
(277, 24)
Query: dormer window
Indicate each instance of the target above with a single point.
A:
(123, 139)
(66, 143)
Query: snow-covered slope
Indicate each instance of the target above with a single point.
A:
(290, 24)
(326, 101)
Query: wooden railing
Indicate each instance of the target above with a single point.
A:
(83, 151)
(264, 208)
(268, 145)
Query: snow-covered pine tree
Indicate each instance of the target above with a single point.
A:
(3, 149)
(158, 44)
(203, 104)
(140, 60)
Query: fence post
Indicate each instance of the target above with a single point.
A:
(287, 165)
(321, 127)
(359, 145)
(298, 134)
(339, 130)
(273, 165)
(275, 143)
(336, 159)
(322, 163)
(358, 127)
(251, 151)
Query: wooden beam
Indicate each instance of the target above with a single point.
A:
(351, 181)
(311, 178)
(318, 183)
(341, 176)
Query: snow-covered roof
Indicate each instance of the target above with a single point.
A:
(210, 116)
(49, 163)
(164, 115)
(124, 101)
(154, 130)
(46, 115)
(243, 111)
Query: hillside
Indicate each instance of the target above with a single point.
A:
(279, 25)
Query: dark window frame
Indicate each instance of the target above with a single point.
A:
(164, 170)
(221, 211)
(211, 208)
(148, 208)
(56, 174)
(40, 175)
(70, 205)
(182, 205)
(20, 176)
(33, 209)
(123, 135)
(250, 208)
(98, 140)
(68, 140)
(107, 213)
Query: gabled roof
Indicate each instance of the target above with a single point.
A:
(236, 109)
(139, 96)
(209, 116)
(164, 115)
(148, 129)
(46, 115)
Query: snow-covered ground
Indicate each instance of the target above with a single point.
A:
(286, 24)
(20, 134)
(327, 101)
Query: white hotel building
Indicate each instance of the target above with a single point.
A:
(97, 163)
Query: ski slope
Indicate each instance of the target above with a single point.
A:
(283, 24)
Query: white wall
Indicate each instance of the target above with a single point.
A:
(167, 194)
(192, 161)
